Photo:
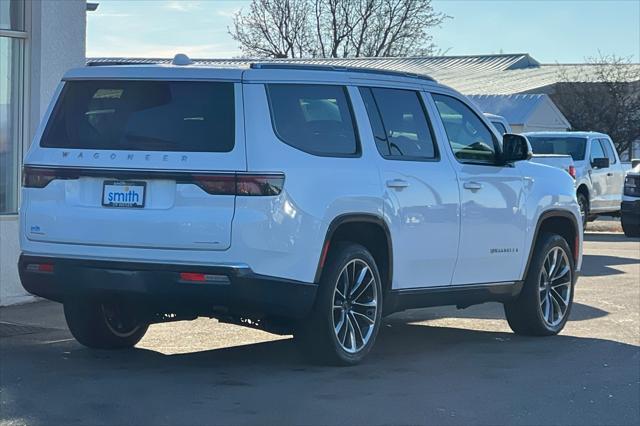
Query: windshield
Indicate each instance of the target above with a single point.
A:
(143, 115)
(573, 146)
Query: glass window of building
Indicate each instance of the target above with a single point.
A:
(12, 39)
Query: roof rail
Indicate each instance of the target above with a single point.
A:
(109, 63)
(316, 67)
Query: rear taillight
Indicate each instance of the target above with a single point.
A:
(219, 184)
(259, 184)
(572, 171)
(197, 277)
(245, 184)
(232, 183)
(39, 177)
(46, 268)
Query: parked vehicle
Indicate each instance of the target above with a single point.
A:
(630, 211)
(297, 199)
(499, 122)
(598, 171)
(564, 162)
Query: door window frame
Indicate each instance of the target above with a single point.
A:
(496, 141)
(609, 150)
(604, 151)
(391, 157)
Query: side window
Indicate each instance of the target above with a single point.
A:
(498, 125)
(470, 139)
(313, 118)
(596, 150)
(377, 127)
(609, 150)
(399, 123)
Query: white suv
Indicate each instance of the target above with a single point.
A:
(298, 199)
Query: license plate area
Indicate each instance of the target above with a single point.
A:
(124, 194)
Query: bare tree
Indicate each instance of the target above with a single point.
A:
(336, 28)
(273, 28)
(603, 96)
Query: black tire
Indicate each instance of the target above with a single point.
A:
(583, 203)
(316, 335)
(631, 231)
(526, 314)
(101, 324)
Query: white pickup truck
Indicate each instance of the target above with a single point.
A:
(599, 173)
(560, 161)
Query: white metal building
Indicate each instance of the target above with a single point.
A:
(525, 113)
(39, 41)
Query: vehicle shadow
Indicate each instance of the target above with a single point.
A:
(596, 265)
(415, 372)
(490, 311)
(608, 237)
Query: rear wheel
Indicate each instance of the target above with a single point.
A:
(102, 324)
(544, 304)
(347, 314)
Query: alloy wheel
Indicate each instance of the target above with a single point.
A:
(119, 321)
(555, 284)
(355, 306)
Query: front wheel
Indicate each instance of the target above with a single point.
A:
(544, 304)
(348, 310)
(102, 324)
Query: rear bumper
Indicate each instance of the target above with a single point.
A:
(159, 287)
(630, 212)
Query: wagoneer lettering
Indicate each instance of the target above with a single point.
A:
(299, 200)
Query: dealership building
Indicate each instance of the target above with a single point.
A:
(39, 41)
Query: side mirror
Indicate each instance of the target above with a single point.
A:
(600, 163)
(515, 148)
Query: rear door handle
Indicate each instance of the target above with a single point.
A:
(609, 174)
(474, 186)
(397, 183)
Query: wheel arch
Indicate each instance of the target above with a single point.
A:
(367, 229)
(561, 222)
(583, 189)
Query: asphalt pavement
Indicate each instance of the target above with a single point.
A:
(430, 366)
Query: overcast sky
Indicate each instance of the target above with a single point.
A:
(564, 31)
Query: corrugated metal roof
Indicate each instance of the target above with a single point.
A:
(482, 74)
(469, 63)
(520, 110)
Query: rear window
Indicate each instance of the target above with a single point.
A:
(313, 118)
(143, 116)
(573, 146)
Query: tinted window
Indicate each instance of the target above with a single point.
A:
(470, 139)
(596, 150)
(402, 123)
(498, 125)
(377, 127)
(143, 115)
(608, 150)
(573, 146)
(313, 118)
